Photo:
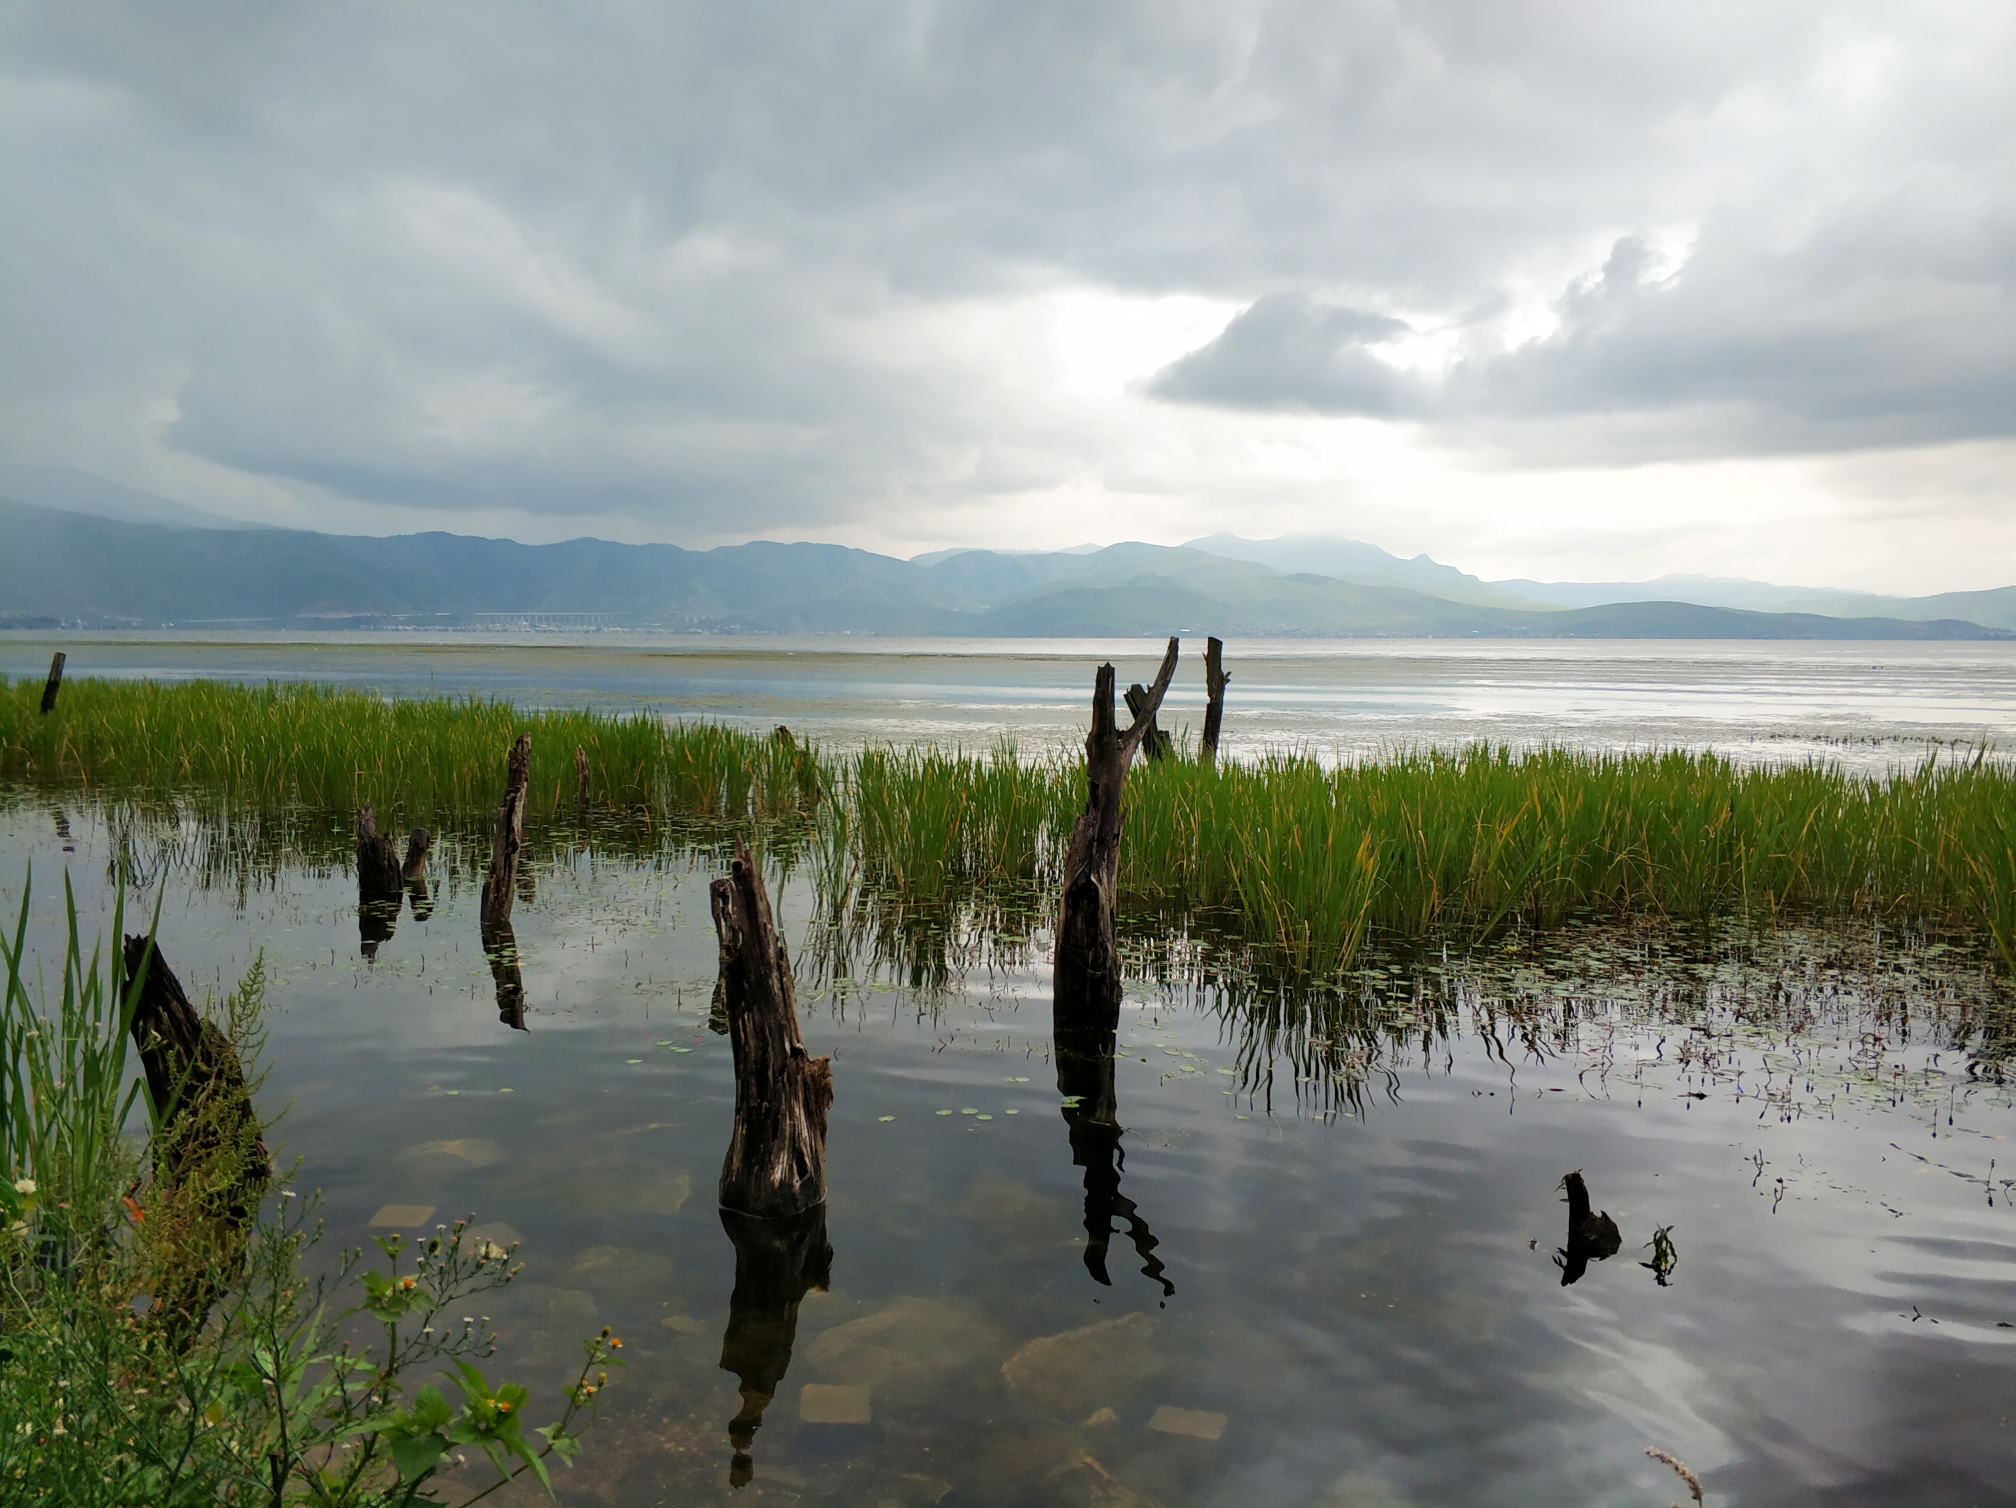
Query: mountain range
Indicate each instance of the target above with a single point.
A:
(85, 552)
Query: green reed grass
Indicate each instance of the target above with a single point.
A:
(1298, 857)
(335, 747)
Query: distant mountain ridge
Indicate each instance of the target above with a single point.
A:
(68, 567)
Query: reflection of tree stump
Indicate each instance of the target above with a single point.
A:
(1591, 1236)
(210, 1161)
(776, 1162)
(1084, 1052)
(508, 835)
(1088, 958)
(1214, 693)
(500, 949)
(777, 1262)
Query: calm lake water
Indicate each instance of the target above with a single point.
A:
(1865, 706)
(1315, 1265)
(1327, 1230)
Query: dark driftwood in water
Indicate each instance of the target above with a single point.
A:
(1154, 743)
(776, 1162)
(508, 836)
(1591, 1236)
(777, 1262)
(581, 773)
(210, 1161)
(1087, 972)
(54, 684)
(1084, 1054)
(1215, 678)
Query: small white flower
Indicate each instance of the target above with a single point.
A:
(24, 1185)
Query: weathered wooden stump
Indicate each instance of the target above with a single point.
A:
(777, 1262)
(1215, 678)
(581, 773)
(210, 1160)
(508, 836)
(54, 683)
(380, 884)
(1087, 970)
(776, 1162)
(419, 843)
(1154, 743)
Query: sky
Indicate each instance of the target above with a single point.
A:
(1541, 289)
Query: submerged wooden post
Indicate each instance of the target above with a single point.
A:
(1087, 971)
(210, 1160)
(508, 836)
(1214, 707)
(1154, 743)
(55, 682)
(776, 1162)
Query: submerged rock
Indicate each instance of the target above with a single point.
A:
(910, 1339)
(1084, 1483)
(1079, 1371)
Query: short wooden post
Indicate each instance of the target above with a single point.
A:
(508, 836)
(55, 683)
(581, 773)
(776, 1162)
(1154, 743)
(1087, 969)
(1214, 708)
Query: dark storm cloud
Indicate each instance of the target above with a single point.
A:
(649, 258)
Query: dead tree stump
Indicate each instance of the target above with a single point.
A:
(380, 884)
(55, 682)
(777, 1262)
(508, 836)
(419, 843)
(1154, 743)
(210, 1160)
(581, 773)
(1087, 971)
(1214, 690)
(776, 1162)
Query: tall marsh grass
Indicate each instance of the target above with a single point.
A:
(1286, 852)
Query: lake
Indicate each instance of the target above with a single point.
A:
(1864, 706)
(1318, 1257)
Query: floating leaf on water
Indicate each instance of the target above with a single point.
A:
(682, 1049)
(507, 1089)
(1012, 1079)
(969, 1110)
(665, 1042)
(633, 1060)
(984, 1117)
(1014, 1112)
(891, 1117)
(1073, 1101)
(944, 1112)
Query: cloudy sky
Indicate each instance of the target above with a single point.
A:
(1539, 288)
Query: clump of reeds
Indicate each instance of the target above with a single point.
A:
(1304, 859)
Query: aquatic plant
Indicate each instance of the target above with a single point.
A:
(112, 1401)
